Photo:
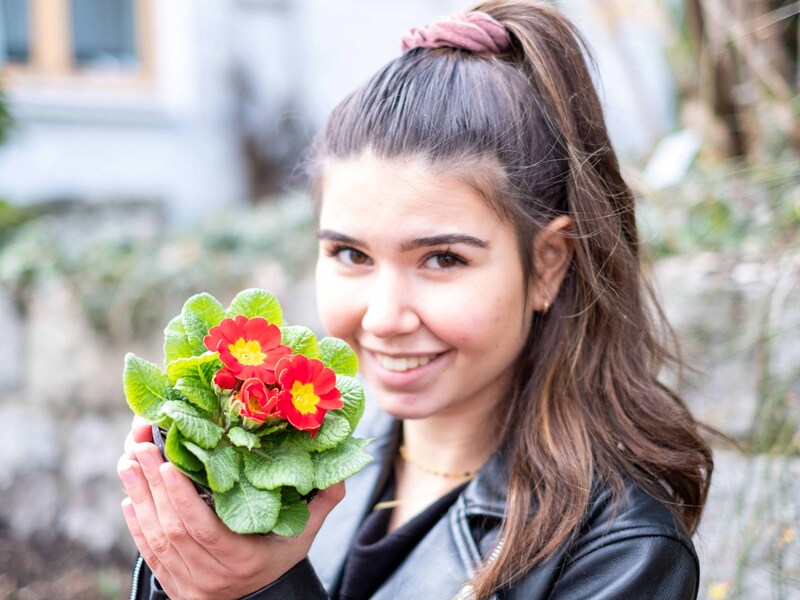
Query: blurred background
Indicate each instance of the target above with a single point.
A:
(149, 150)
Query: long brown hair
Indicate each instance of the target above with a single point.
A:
(587, 404)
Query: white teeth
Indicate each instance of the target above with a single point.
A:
(391, 363)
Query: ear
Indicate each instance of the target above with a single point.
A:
(552, 253)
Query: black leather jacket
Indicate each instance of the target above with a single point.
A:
(641, 552)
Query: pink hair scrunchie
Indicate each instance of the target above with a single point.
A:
(473, 31)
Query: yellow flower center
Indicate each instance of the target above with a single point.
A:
(304, 398)
(247, 352)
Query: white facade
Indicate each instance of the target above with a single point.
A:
(180, 142)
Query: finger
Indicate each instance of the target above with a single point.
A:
(169, 518)
(321, 506)
(141, 496)
(139, 539)
(141, 431)
(200, 521)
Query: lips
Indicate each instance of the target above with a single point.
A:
(403, 363)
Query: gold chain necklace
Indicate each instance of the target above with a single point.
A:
(448, 475)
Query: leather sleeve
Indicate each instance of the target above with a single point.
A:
(641, 567)
(298, 582)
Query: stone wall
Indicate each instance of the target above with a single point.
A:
(739, 324)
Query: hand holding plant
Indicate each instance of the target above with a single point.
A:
(258, 412)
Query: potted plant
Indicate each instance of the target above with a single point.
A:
(257, 413)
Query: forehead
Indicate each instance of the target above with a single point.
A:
(391, 196)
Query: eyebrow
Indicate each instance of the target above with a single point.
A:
(446, 239)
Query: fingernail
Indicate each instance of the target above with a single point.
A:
(128, 476)
(169, 475)
(127, 509)
(146, 459)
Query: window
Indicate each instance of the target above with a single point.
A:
(103, 33)
(76, 40)
(14, 31)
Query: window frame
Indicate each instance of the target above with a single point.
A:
(51, 64)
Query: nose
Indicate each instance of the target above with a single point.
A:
(390, 308)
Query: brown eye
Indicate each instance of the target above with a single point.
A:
(444, 260)
(351, 256)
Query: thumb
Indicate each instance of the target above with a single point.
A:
(141, 429)
(140, 432)
(322, 504)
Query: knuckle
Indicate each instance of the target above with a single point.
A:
(205, 536)
(176, 532)
(159, 544)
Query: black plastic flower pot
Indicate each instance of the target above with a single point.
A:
(205, 493)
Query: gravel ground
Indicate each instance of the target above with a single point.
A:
(59, 570)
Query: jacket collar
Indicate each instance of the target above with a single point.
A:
(484, 496)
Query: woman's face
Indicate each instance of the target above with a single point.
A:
(425, 281)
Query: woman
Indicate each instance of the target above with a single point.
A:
(478, 249)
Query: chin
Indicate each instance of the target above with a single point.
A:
(405, 406)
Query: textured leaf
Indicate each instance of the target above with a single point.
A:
(334, 429)
(192, 424)
(347, 459)
(176, 344)
(200, 313)
(146, 386)
(178, 454)
(198, 393)
(243, 439)
(337, 355)
(280, 465)
(353, 399)
(254, 302)
(280, 426)
(292, 519)
(203, 367)
(222, 465)
(300, 339)
(246, 509)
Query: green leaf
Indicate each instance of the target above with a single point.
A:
(192, 424)
(300, 339)
(280, 465)
(200, 313)
(198, 393)
(203, 367)
(246, 509)
(353, 399)
(254, 302)
(176, 344)
(292, 519)
(177, 454)
(337, 355)
(146, 386)
(347, 459)
(222, 465)
(334, 429)
(243, 439)
(199, 477)
(280, 426)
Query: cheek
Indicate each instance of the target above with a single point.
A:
(337, 310)
(484, 322)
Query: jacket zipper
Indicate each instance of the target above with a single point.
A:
(137, 569)
(465, 593)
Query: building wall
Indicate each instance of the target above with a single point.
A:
(224, 67)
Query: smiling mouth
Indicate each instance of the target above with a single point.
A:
(400, 364)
